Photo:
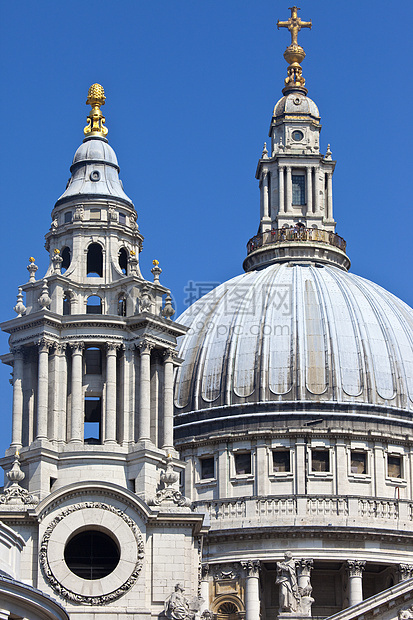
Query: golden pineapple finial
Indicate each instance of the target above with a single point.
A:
(95, 120)
(294, 54)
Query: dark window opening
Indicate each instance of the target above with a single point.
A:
(358, 463)
(394, 466)
(68, 217)
(123, 261)
(66, 304)
(92, 555)
(94, 305)
(93, 361)
(51, 483)
(93, 420)
(227, 609)
(242, 463)
(207, 468)
(298, 189)
(122, 306)
(320, 460)
(65, 255)
(281, 461)
(132, 485)
(122, 218)
(95, 260)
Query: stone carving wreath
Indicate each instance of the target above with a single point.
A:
(87, 515)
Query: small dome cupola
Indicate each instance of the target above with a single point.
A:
(296, 179)
(95, 169)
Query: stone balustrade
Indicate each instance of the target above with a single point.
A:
(281, 235)
(309, 510)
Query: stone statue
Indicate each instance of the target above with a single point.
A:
(177, 605)
(287, 581)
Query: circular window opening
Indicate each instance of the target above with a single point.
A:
(95, 175)
(91, 555)
(298, 135)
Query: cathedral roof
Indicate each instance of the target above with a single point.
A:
(294, 332)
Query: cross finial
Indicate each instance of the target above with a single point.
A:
(294, 24)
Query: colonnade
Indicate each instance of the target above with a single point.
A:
(60, 419)
(314, 190)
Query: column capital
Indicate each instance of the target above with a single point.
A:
(77, 347)
(44, 345)
(169, 355)
(304, 566)
(405, 571)
(112, 347)
(18, 352)
(145, 347)
(60, 348)
(288, 168)
(251, 567)
(355, 568)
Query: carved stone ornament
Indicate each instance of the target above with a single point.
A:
(293, 579)
(406, 614)
(251, 567)
(355, 568)
(77, 597)
(405, 571)
(15, 494)
(169, 494)
(79, 213)
(225, 572)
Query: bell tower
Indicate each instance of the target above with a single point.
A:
(296, 179)
(93, 343)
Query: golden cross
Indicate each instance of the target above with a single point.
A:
(294, 24)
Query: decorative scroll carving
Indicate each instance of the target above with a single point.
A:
(405, 571)
(103, 599)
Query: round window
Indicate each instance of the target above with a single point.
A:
(91, 555)
(95, 175)
(298, 135)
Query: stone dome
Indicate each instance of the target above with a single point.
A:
(296, 103)
(295, 333)
(95, 172)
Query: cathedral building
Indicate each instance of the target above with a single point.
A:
(252, 459)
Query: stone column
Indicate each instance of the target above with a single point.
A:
(304, 568)
(281, 205)
(204, 589)
(168, 400)
(309, 190)
(289, 205)
(329, 195)
(252, 590)
(145, 391)
(42, 389)
(316, 207)
(127, 419)
(16, 441)
(61, 392)
(110, 418)
(265, 201)
(355, 570)
(76, 435)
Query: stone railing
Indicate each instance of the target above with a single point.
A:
(293, 234)
(308, 510)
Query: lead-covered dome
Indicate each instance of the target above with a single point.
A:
(297, 333)
(296, 103)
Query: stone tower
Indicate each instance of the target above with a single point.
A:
(93, 354)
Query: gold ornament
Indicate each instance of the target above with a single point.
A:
(294, 54)
(155, 262)
(96, 120)
(31, 259)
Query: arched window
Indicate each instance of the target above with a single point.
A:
(122, 305)
(93, 361)
(65, 255)
(94, 305)
(66, 303)
(123, 261)
(95, 260)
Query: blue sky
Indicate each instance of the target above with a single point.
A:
(190, 89)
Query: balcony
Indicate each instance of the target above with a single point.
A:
(293, 235)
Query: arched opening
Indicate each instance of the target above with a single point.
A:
(123, 261)
(122, 305)
(94, 260)
(94, 305)
(93, 361)
(66, 303)
(65, 255)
